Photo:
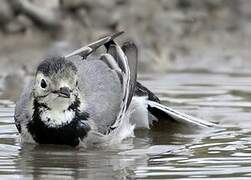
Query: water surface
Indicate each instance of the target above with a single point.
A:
(170, 152)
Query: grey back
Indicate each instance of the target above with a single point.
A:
(101, 89)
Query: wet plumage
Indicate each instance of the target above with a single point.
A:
(85, 100)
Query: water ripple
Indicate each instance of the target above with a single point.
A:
(171, 153)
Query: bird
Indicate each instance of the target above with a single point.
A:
(83, 99)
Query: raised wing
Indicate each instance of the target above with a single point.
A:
(92, 75)
(101, 91)
(131, 52)
(87, 50)
(125, 75)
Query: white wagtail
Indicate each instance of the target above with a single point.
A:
(82, 100)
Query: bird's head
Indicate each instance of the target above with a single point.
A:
(58, 116)
(56, 83)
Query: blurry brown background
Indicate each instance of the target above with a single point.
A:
(184, 35)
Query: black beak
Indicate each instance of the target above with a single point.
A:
(63, 92)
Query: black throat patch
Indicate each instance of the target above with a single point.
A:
(68, 134)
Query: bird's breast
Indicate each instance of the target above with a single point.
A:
(58, 127)
(68, 134)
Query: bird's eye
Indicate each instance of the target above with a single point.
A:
(43, 84)
(76, 83)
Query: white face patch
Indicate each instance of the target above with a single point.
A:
(54, 118)
(58, 113)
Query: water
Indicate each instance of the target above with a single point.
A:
(169, 152)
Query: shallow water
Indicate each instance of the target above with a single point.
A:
(173, 152)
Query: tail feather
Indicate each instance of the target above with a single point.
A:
(161, 111)
(141, 90)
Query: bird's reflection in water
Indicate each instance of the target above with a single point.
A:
(51, 161)
(56, 161)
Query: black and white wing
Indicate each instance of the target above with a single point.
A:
(123, 61)
(126, 67)
(106, 81)
(164, 113)
(90, 48)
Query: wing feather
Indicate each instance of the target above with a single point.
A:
(131, 52)
(121, 59)
(90, 48)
